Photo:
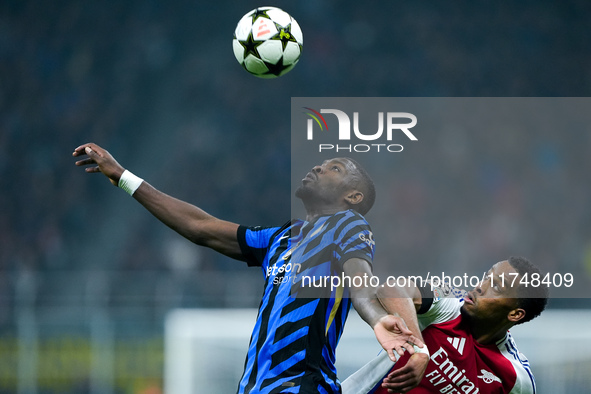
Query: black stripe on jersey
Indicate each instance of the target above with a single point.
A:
(297, 368)
(290, 327)
(295, 304)
(352, 233)
(280, 355)
(358, 250)
(361, 253)
(344, 223)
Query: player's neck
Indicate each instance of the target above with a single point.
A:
(312, 216)
(314, 211)
(486, 333)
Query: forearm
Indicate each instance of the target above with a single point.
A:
(368, 306)
(403, 302)
(364, 298)
(176, 214)
(189, 220)
(404, 308)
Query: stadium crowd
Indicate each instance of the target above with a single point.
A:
(157, 82)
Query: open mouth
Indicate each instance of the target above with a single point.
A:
(310, 176)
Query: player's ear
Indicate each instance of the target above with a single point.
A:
(354, 197)
(516, 315)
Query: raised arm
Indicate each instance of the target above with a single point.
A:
(186, 219)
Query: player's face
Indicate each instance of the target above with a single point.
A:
(328, 181)
(495, 297)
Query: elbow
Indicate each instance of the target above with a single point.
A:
(196, 232)
(389, 297)
(386, 291)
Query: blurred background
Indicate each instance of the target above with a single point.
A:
(87, 276)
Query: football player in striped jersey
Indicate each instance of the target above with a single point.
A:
(298, 327)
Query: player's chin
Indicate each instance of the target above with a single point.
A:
(304, 191)
(467, 310)
(299, 191)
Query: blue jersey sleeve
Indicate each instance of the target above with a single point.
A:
(355, 240)
(254, 243)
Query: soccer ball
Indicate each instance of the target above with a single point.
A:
(268, 42)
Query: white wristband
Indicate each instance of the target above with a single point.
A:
(129, 182)
(416, 349)
(421, 350)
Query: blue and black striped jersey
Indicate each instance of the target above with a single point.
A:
(299, 324)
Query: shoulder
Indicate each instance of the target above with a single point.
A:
(348, 223)
(347, 216)
(265, 233)
(257, 241)
(352, 229)
(262, 238)
(441, 303)
(524, 382)
(441, 311)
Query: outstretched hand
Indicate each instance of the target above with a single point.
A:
(396, 339)
(394, 336)
(105, 163)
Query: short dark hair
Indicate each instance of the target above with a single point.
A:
(366, 186)
(532, 299)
